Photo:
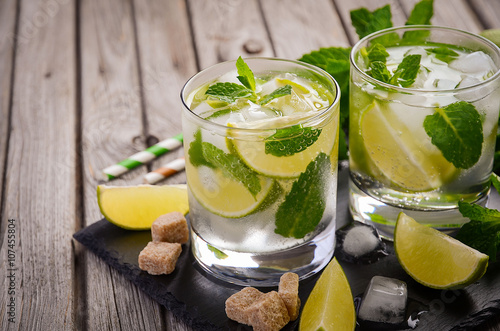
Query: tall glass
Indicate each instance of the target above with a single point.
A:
(262, 175)
(421, 146)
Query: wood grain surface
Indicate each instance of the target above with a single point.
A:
(87, 83)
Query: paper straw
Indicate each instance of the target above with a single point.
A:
(143, 157)
(163, 172)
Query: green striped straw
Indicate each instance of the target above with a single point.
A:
(143, 157)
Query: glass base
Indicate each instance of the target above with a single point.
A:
(383, 217)
(249, 269)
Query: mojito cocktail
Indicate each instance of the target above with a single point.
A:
(424, 105)
(261, 146)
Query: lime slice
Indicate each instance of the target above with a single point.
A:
(330, 305)
(434, 259)
(253, 152)
(399, 154)
(227, 197)
(137, 207)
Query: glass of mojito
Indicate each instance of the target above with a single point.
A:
(424, 106)
(261, 148)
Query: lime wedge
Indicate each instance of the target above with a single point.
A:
(330, 305)
(253, 152)
(137, 207)
(228, 197)
(401, 156)
(435, 259)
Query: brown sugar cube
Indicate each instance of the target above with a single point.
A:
(159, 257)
(268, 313)
(171, 227)
(289, 291)
(238, 303)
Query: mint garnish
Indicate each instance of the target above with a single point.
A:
(457, 131)
(379, 71)
(444, 54)
(229, 92)
(288, 141)
(421, 13)
(279, 92)
(232, 167)
(407, 71)
(195, 152)
(377, 52)
(483, 231)
(245, 74)
(305, 204)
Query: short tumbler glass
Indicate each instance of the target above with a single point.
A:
(424, 147)
(262, 178)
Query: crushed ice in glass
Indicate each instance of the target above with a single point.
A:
(359, 243)
(383, 305)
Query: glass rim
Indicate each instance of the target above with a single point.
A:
(367, 77)
(307, 66)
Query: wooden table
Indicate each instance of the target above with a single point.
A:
(84, 84)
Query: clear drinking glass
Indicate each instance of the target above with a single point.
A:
(262, 178)
(423, 147)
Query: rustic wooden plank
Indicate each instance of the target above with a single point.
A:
(226, 29)
(298, 27)
(344, 8)
(167, 60)
(453, 13)
(112, 130)
(488, 12)
(7, 43)
(40, 194)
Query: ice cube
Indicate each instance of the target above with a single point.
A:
(384, 303)
(359, 243)
(418, 50)
(230, 77)
(477, 62)
(468, 81)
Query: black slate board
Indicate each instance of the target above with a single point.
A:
(198, 298)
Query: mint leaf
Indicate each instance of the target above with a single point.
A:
(421, 14)
(195, 152)
(232, 167)
(246, 76)
(483, 231)
(377, 52)
(279, 92)
(366, 22)
(305, 204)
(457, 131)
(379, 71)
(407, 71)
(444, 54)
(495, 180)
(288, 141)
(229, 92)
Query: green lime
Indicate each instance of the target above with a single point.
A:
(435, 259)
(399, 154)
(330, 305)
(137, 207)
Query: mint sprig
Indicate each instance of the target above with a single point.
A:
(366, 22)
(229, 92)
(458, 133)
(407, 71)
(288, 141)
(305, 204)
(483, 231)
(444, 54)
